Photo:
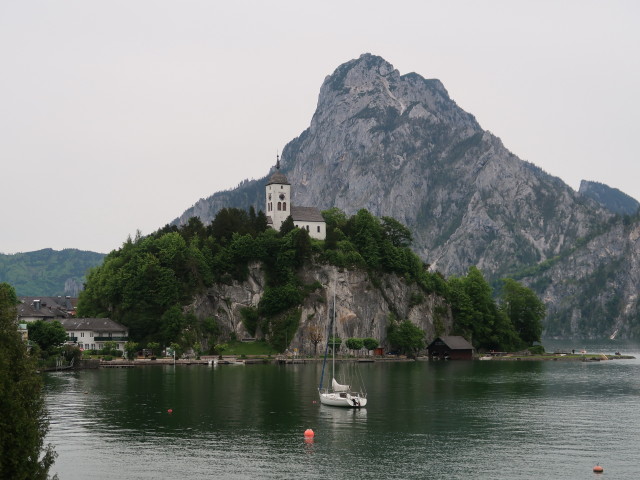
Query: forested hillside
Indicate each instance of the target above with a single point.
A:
(148, 283)
(48, 272)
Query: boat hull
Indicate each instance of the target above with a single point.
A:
(342, 399)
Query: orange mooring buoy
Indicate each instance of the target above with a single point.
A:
(308, 433)
(598, 469)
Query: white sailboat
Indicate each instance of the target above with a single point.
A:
(338, 395)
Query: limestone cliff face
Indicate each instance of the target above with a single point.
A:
(362, 309)
(593, 292)
(399, 146)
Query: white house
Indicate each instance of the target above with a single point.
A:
(92, 333)
(279, 207)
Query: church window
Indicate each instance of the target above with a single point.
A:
(279, 206)
(318, 228)
(284, 206)
(307, 228)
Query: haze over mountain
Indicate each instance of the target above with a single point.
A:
(398, 145)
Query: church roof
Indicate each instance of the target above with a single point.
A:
(279, 178)
(306, 214)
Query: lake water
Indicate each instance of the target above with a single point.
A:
(439, 420)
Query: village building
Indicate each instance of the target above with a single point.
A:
(279, 207)
(452, 347)
(31, 309)
(92, 333)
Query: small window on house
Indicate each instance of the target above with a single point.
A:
(307, 228)
(318, 228)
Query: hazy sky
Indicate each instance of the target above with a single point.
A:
(118, 115)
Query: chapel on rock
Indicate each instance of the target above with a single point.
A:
(279, 207)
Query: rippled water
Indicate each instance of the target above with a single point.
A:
(499, 420)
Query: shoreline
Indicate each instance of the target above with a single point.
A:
(281, 360)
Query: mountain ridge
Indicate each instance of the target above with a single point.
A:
(399, 146)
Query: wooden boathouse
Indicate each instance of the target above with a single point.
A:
(452, 347)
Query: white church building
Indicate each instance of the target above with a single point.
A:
(279, 207)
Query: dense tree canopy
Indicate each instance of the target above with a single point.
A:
(47, 335)
(489, 326)
(149, 280)
(405, 337)
(23, 423)
(525, 310)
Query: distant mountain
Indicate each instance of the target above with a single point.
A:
(399, 146)
(48, 272)
(592, 290)
(610, 198)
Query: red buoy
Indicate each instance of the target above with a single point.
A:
(169, 411)
(598, 469)
(309, 433)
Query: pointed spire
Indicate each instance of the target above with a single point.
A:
(277, 162)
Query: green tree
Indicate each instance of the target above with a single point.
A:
(172, 324)
(477, 315)
(370, 343)
(154, 347)
(334, 343)
(23, 423)
(47, 335)
(109, 347)
(396, 233)
(406, 337)
(367, 237)
(354, 343)
(130, 349)
(287, 226)
(177, 349)
(525, 310)
(229, 221)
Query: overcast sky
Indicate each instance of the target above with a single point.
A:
(118, 115)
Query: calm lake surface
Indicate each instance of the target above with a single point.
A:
(453, 420)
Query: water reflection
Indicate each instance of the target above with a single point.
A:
(435, 420)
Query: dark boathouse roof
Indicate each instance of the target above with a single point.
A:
(454, 342)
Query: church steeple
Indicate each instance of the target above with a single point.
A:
(278, 197)
(278, 207)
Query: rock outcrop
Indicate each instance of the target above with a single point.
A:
(362, 308)
(610, 198)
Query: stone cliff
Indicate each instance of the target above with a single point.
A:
(362, 308)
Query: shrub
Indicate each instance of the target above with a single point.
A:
(536, 350)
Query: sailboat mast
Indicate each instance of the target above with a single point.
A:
(333, 348)
(326, 350)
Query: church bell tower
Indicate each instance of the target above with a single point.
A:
(278, 197)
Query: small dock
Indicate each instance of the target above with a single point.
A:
(117, 365)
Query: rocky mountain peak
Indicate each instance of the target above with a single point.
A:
(399, 146)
